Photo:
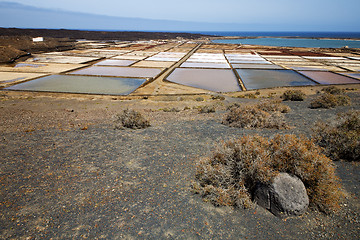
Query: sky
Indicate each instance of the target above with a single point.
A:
(311, 14)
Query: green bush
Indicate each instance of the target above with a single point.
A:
(131, 119)
(293, 95)
(230, 175)
(341, 139)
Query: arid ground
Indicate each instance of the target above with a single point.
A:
(67, 173)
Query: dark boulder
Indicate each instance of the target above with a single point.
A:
(285, 196)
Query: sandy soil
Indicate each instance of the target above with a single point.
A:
(67, 173)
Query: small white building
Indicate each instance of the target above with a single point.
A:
(38, 39)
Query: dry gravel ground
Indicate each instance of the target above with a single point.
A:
(66, 173)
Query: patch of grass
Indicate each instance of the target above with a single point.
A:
(266, 114)
(340, 139)
(229, 176)
(206, 109)
(293, 95)
(327, 100)
(131, 119)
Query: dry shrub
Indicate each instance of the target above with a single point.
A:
(328, 100)
(173, 109)
(332, 90)
(217, 97)
(273, 106)
(341, 139)
(206, 109)
(131, 119)
(229, 176)
(263, 115)
(293, 95)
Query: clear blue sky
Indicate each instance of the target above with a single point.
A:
(316, 13)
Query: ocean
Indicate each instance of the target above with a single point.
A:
(297, 39)
(285, 34)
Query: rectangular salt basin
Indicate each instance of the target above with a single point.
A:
(12, 77)
(40, 67)
(354, 75)
(257, 79)
(217, 80)
(317, 68)
(249, 62)
(164, 59)
(60, 59)
(256, 66)
(246, 58)
(119, 72)
(328, 77)
(81, 84)
(154, 64)
(207, 60)
(114, 62)
(299, 63)
(204, 65)
(129, 57)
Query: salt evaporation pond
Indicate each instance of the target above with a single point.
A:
(329, 78)
(257, 79)
(293, 42)
(81, 84)
(217, 80)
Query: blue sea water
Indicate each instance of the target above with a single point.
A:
(297, 39)
(287, 34)
(294, 42)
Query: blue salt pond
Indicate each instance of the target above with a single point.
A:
(81, 84)
(257, 79)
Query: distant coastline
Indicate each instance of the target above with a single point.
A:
(307, 35)
(98, 34)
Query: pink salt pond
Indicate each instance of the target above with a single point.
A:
(217, 80)
(328, 77)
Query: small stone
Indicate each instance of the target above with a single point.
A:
(285, 196)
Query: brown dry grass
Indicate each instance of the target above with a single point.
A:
(331, 97)
(266, 114)
(131, 119)
(229, 176)
(340, 139)
(293, 95)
